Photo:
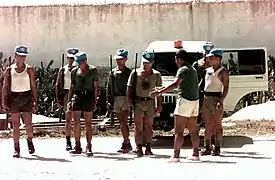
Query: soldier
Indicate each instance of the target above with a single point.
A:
(187, 106)
(200, 66)
(120, 77)
(20, 96)
(82, 96)
(62, 94)
(145, 108)
(215, 91)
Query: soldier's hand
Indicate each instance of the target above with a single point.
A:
(159, 109)
(35, 108)
(219, 106)
(154, 94)
(129, 104)
(69, 106)
(4, 107)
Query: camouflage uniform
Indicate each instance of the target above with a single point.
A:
(145, 106)
(120, 105)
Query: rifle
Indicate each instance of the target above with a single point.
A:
(7, 110)
(134, 93)
(111, 93)
(61, 90)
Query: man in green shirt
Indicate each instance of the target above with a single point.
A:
(82, 98)
(187, 107)
(120, 75)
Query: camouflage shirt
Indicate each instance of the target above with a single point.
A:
(120, 81)
(84, 82)
(154, 80)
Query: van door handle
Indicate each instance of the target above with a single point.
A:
(259, 77)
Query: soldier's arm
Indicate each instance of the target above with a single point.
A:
(179, 78)
(70, 94)
(33, 84)
(58, 86)
(5, 86)
(129, 88)
(159, 84)
(225, 81)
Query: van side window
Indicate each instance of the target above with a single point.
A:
(244, 62)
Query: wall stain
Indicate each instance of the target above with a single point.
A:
(191, 20)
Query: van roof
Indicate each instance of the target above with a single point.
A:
(168, 46)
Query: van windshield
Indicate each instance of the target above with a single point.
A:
(165, 62)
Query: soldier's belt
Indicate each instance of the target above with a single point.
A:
(215, 94)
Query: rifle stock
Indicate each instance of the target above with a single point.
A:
(61, 90)
(133, 95)
(111, 93)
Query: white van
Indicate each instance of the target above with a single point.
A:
(247, 67)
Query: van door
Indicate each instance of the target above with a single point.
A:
(248, 72)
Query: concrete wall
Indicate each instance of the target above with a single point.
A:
(100, 30)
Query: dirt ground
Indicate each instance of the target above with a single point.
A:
(235, 128)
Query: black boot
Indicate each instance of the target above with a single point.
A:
(148, 150)
(206, 151)
(216, 151)
(16, 153)
(30, 146)
(77, 149)
(138, 150)
(68, 143)
(89, 151)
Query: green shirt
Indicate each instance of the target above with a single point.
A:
(154, 80)
(84, 82)
(120, 81)
(188, 88)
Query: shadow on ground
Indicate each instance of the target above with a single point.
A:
(102, 155)
(166, 142)
(40, 158)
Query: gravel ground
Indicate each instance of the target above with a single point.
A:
(249, 161)
(236, 128)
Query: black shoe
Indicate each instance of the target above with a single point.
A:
(148, 150)
(69, 146)
(216, 151)
(89, 151)
(30, 146)
(138, 150)
(77, 149)
(125, 148)
(206, 151)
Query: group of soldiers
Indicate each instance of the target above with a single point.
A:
(201, 90)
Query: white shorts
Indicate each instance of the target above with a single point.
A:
(187, 108)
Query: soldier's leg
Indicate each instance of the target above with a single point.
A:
(207, 110)
(138, 120)
(88, 109)
(15, 118)
(180, 124)
(218, 129)
(122, 113)
(89, 132)
(192, 126)
(26, 109)
(28, 123)
(68, 124)
(76, 111)
(150, 113)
